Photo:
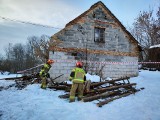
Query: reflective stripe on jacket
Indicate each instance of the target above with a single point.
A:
(77, 75)
(44, 70)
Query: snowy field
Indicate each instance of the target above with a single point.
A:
(33, 103)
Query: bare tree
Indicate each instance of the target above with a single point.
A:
(18, 52)
(40, 46)
(8, 51)
(18, 57)
(30, 58)
(147, 29)
(143, 28)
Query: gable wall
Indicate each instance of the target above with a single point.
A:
(117, 46)
(115, 38)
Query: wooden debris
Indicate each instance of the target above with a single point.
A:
(108, 81)
(111, 88)
(13, 78)
(116, 89)
(87, 86)
(98, 96)
(108, 90)
(60, 87)
(100, 104)
(64, 96)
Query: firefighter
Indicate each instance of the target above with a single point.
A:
(44, 73)
(78, 78)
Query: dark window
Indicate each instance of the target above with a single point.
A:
(77, 55)
(74, 54)
(99, 35)
(94, 15)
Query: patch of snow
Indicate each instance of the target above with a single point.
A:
(9, 76)
(5, 83)
(5, 73)
(34, 103)
(155, 46)
(108, 78)
(93, 78)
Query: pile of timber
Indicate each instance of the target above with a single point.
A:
(22, 82)
(104, 92)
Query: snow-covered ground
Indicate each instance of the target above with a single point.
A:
(33, 103)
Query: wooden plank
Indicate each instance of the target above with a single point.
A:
(109, 81)
(87, 86)
(13, 78)
(111, 88)
(60, 87)
(100, 104)
(99, 96)
(64, 96)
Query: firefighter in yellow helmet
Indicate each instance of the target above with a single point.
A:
(44, 73)
(78, 78)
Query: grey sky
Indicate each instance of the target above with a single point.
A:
(18, 32)
(57, 13)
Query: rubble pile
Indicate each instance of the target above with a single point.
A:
(104, 92)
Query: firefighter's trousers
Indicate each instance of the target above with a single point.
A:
(79, 87)
(44, 82)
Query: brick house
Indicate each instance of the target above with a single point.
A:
(95, 36)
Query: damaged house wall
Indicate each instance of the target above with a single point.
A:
(98, 34)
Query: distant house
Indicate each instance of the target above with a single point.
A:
(154, 53)
(97, 37)
(154, 56)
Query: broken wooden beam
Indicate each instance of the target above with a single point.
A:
(13, 78)
(60, 87)
(87, 86)
(111, 88)
(100, 104)
(66, 84)
(64, 96)
(109, 81)
(99, 96)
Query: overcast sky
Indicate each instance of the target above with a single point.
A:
(57, 13)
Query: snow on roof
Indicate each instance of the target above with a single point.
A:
(155, 46)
